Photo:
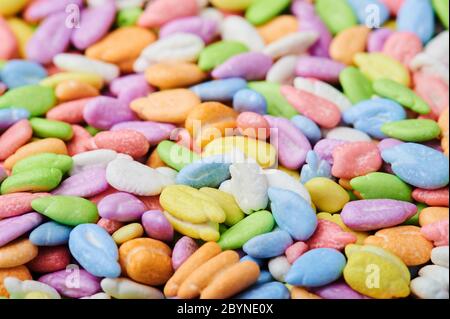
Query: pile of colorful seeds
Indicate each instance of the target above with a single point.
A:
(252, 149)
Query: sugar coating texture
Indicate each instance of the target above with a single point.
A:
(224, 149)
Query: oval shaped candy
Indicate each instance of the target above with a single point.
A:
(327, 195)
(14, 227)
(415, 13)
(262, 11)
(268, 245)
(415, 130)
(317, 267)
(236, 28)
(378, 66)
(379, 185)
(264, 153)
(337, 15)
(292, 144)
(321, 111)
(370, 115)
(36, 99)
(251, 226)
(44, 160)
(121, 207)
(146, 261)
(184, 47)
(401, 94)
(157, 226)
(11, 116)
(85, 184)
(87, 283)
(355, 159)
(418, 165)
(183, 249)
(357, 87)
(191, 205)
(37, 180)
(205, 28)
(67, 210)
(133, 177)
(404, 241)
(50, 234)
(292, 213)
(250, 66)
(17, 73)
(175, 155)
(270, 290)
(219, 90)
(373, 214)
(217, 53)
(123, 288)
(17, 253)
(95, 250)
(369, 267)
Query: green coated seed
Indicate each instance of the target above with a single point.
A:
(414, 220)
(351, 195)
(217, 53)
(227, 202)
(35, 98)
(277, 105)
(357, 87)
(262, 11)
(44, 160)
(176, 156)
(128, 17)
(49, 128)
(442, 10)
(401, 94)
(67, 210)
(253, 225)
(92, 130)
(381, 185)
(336, 14)
(36, 180)
(420, 130)
(222, 228)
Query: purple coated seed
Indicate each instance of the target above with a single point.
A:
(154, 132)
(88, 183)
(206, 29)
(39, 10)
(73, 283)
(291, 142)
(373, 214)
(319, 68)
(250, 66)
(51, 38)
(338, 290)
(310, 21)
(130, 87)
(182, 250)
(103, 112)
(157, 226)
(122, 207)
(377, 38)
(94, 24)
(14, 227)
